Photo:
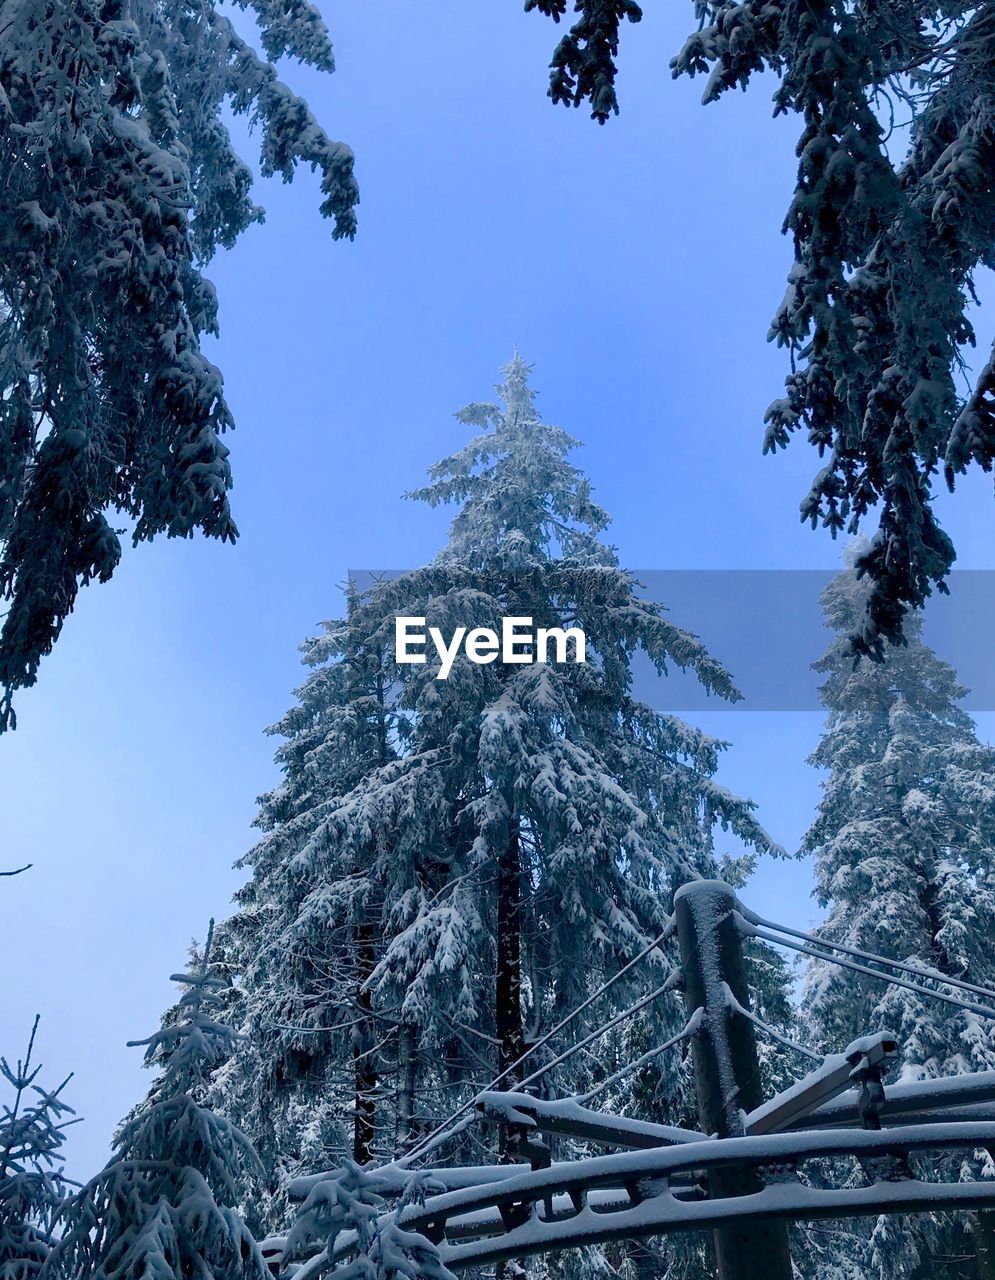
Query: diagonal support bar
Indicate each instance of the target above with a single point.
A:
(828, 1081)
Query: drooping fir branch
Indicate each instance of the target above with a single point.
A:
(886, 246)
(583, 68)
(118, 180)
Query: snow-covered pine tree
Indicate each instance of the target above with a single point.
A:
(541, 816)
(876, 314)
(32, 1175)
(118, 180)
(524, 834)
(303, 942)
(904, 846)
(162, 1206)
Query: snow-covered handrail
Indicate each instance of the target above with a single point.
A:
(662, 1190)
(652, 1204)
(666, 1213)
(396, 1178)
(630, 1167)
(567, 1117)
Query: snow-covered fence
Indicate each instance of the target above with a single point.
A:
(643, 1193)
(754, 1165)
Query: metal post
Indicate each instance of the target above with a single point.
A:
(726, 1068)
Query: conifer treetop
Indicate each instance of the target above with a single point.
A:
(521, 502)
(33, 1182)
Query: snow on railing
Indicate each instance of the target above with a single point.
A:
(968, 1096)
(662, 1190)
(565, 1116)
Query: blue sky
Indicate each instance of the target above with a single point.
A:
(637, 265)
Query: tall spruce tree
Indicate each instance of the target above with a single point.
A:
(163, 1206)
(118, 180)
(512, 833)
(545, 812)
(904, 847)
(886, 246)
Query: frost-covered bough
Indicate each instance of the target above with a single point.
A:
(886, 245)
(118, 180)
(904, 847)
(352, 1205)
(163, 1205)
(33, 1184)
(509, 838)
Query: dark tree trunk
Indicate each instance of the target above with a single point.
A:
(508, 987)
(508, 983)
(364, 1057)
(365, 1076)
(984, 1244)
(929, 901)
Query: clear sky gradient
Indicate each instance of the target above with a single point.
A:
(637, 265)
